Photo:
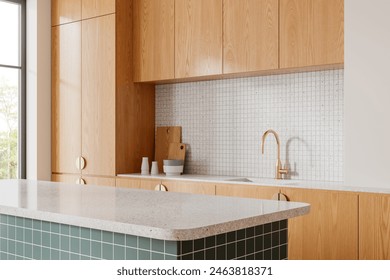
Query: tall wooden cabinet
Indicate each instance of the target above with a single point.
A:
(103, 123)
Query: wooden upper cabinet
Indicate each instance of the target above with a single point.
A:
(374, 227)
(311, 32)
(154, 40)
(66, 97)
(250, 35)
(198, 38)
(65, 11)
(329, 231)
(95, 8)
(98, 89)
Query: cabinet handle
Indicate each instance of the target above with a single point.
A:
(80, 181)
(80, 163)
(279, 196)
(161, 188)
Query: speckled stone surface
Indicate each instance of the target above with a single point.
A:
(159, 215)
(315, 185)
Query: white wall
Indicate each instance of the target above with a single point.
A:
(38, 89)
(367, 93)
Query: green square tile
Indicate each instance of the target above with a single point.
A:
(86, 233)
(20, 234)
(27, 223)
(157, 256)
(119, 239)
(3, 256)
(54, 254)
(37, 224)
(19, 258)
(28, 252)
(46, 239)
(108, 251)
(45, 226)
(3, 219)
(3, 244)
(74, 257)
(64, 255)
(27, 235)
(20, 221)
(84, 258)
(11, 232)
(4, 231)
(96, 249)
(171, 247)
(37, 252)
(12, 220)
(55, 228)
(144, 255)
(85, 247)
(108, 236)
(144, 243)
(65, 242)
(75, 245)
(55, 241)
(11, 257)
(75, 231)
(45, 254)
(131, 241)
(11, 246)
(131, 254)
(158, 245)
(20, 248)
(119, 252)
(37, 237)
(96, 235)
(64, 229)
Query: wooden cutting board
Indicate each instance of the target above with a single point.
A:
(177, 151)
(164, 136)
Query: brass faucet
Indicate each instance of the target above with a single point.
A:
(279, 169)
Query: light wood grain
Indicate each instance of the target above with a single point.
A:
(198, 38)
(65, 178)
(374, 227)
(164, 136)
(329, 231)
(250, 35)
(177, 151)
(135, 183)
(189, 187)
(246, 191)
(311, 32)
(99, 181)
(66, 97)
(98, 100)
(154, 40)
(95, 8)
(65, 11)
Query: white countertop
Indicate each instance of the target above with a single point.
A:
(160, 215)
(319, 185)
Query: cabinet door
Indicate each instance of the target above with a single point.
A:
(98, 99)
(65, 178)
(250, 35)
(329, 231)
(66, 97)
(95, 8)
(65, 11)
(198, 38)
(154, 40)
(374, 227)
(83, 180)
(189, 187)
(136, 183)
(311, 32)
(246, 191)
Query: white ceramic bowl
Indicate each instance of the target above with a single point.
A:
(173, 170)
(173, 162)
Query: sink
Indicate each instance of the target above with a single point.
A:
(244, 180)
(265, 181)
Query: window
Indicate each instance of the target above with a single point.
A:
(12, 88)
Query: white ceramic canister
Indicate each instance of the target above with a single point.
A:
(154, 170)
(145, 166)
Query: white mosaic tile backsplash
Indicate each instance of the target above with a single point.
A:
(223, 121)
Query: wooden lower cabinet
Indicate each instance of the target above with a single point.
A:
(374, 227)
(329, 231)
(135, 183)
(189, 187)
(246, 191)
(78, 179)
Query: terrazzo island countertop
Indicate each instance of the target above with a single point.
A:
(152, 214)
(315, 185)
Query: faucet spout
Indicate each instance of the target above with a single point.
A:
(279, 169)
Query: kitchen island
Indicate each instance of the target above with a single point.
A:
(46, 220)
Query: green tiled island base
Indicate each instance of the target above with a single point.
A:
(25, 239)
